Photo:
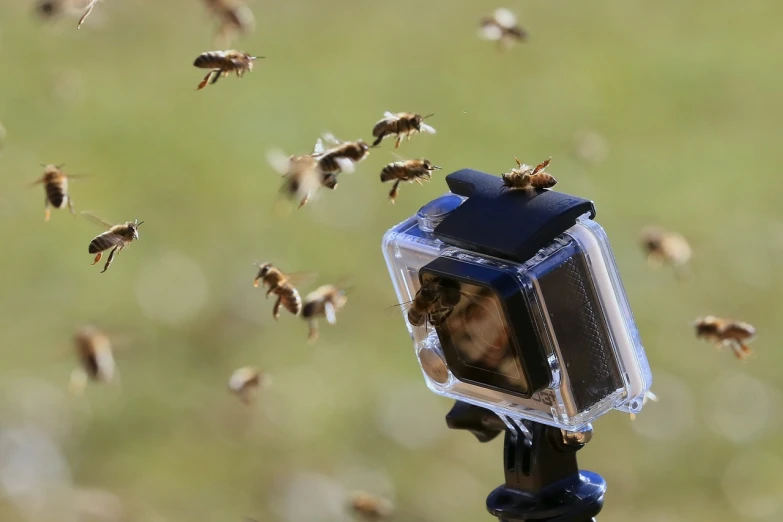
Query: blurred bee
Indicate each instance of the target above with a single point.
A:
(302, 175)
(115, 237)
(662, 246)
(525, 176)
(245, 383)
(648, 396)
(341, 156)
(401, 124)
(95, 356)
(234, 17)
(724, 332)
(369, 506)
(223, 63)
(55, 184)
(407, 171)
(279, 284)
(50, 8)
(325, 301)
(502, 27)
(86, 13)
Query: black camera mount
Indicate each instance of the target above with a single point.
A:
(543, 480)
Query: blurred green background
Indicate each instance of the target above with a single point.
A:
(686, 95)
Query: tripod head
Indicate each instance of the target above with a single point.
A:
(543, 481)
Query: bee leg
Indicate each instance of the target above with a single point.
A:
(111, 258)
(394, 191)
(47, 210)
(378, 140)
(205, 80)
(97, 257)
(417, 180)
(276, 309)
(399, 139)
(313, 332)
(70, 206)
(304, 200)
(271, 289)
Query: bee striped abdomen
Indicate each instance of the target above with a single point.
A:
(389, 173)
(291, 299)
(100, 243)
(56, 193)
(210, 60)
(543, 180)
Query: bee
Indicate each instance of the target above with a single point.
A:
(325, 301)
(341, 156)
(49, 8)
(234, 17)
(502, 27)
(115, 237)
(302, 175)
(87, 12)
(725, 332)
(648, 396)
(369, 506)
(55, 183)
(433, 302)
(279, 284)
(408, 171)
(662, 246)
(223, 63)
(401, 124)
(245, 383)
(95, 356)
(525, 176)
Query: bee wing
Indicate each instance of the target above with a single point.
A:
(301, 279)
(388, 114)
(36, 182)
(330, 312)
(346, 165)
(505, 18)
(278, 160)
(491, 31)
(330, 138)
(426, 128)
(319, 148)
(95, 219)
(541, 166)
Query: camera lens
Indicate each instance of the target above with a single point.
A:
(484, 327)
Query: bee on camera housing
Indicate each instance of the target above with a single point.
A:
(325, 301)
(371, 507)
(115, 237)
(502, 27)
(665, 247)
(234, 17)
(400, 125)
(55, 183)
(95, 356)
(406, 171)
(725, 332)
(222, 64)
(245, 383)
(525, 176)
(276, 282)
(537, 326)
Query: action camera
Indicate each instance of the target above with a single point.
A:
(523, 309)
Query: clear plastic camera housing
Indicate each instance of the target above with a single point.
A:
(595, 357)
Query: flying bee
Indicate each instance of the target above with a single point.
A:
(115, 237)
(369, 506)
(325, 301)
(648, 396)
(340, 157)
(665, 247)
(407, 171)
(502, 27)
(55, 183)
(525, 176)
(50, 8)
(245, 383)
(95, 356)
(279, 284)
(223, 63)
(302, 175)
(87, 12)
(724, 332)
(234, 17)
(401, 124)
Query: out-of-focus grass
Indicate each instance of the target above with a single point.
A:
(686, 94)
